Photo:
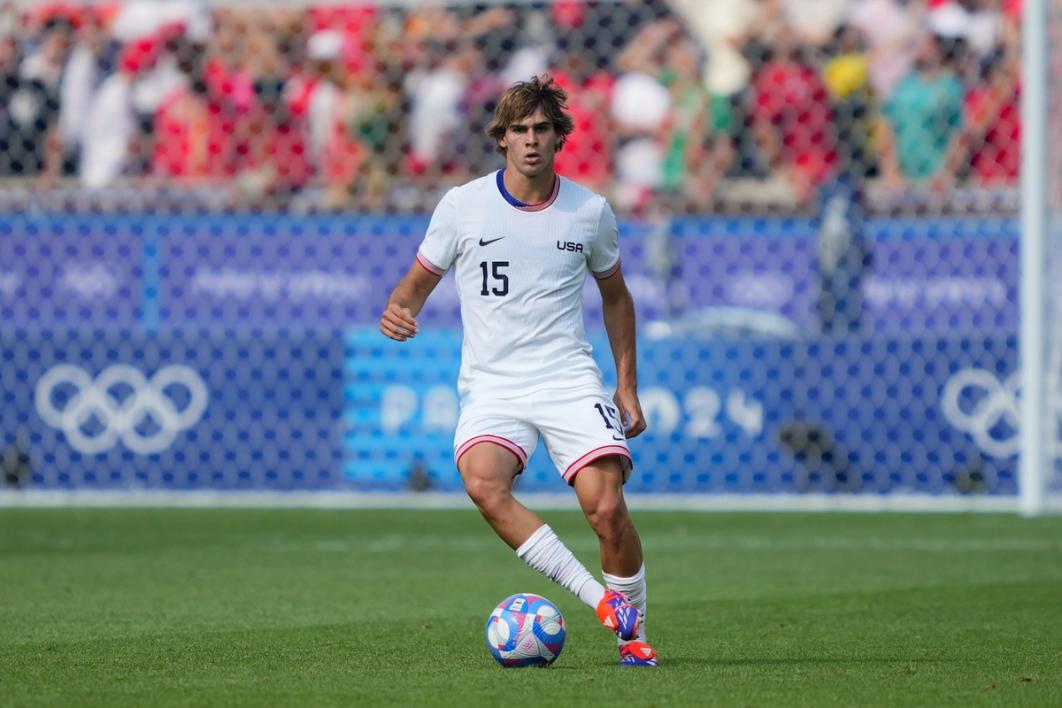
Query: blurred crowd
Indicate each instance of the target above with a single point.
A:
(374, 105)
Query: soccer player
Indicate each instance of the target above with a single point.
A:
(521, 242)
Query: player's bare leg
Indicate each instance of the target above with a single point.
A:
(489, 472)
(599, 487)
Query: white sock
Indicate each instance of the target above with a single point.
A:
(635, 590)
(548, 555)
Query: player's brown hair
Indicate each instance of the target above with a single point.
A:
(522, 99)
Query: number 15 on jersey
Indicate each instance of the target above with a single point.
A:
(495, 281)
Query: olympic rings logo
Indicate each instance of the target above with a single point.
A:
(121, 419)
(991, 414)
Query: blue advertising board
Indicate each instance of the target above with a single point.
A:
(321, 412)
(241, 352)
(125, 411)
(67, 272)
(878, 415)
(276, 272)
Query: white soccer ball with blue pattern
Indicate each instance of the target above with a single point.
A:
(525, 630)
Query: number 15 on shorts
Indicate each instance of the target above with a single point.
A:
(611, 417)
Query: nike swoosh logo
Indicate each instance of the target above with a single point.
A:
(487, 243)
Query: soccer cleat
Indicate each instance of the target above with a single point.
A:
(619, 615)
(637, 654)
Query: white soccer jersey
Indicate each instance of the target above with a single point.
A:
(520, 272)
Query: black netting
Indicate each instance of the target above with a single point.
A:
(818, 215)
(682, 105)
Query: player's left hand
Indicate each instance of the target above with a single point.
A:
(630, 411)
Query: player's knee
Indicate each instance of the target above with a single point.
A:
(485, 491)
(607, 516)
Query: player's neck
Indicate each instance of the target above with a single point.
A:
(529, 190)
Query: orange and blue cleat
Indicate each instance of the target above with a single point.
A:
(618, 614)
(637, 654)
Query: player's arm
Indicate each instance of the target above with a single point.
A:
(618, 309)
(399, 318)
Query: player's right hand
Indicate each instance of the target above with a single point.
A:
(398, 323)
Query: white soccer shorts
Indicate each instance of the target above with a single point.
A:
(577, 426)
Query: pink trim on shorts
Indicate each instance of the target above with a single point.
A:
(497, 440)
(429, 266)
(595, 454)
(608, 273)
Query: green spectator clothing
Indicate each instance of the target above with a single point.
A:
(924, 114)
(693, 110)
(722, 114)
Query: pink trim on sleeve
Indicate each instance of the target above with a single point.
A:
(429, 266)
(608, 273)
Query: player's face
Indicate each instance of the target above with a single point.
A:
(531, 145)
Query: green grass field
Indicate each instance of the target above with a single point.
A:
(153, 607)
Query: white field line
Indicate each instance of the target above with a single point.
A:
(390, 543)
(442, 500)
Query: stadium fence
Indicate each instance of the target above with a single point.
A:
(205, 206)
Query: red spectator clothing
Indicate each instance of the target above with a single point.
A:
(568, 15)
(267, 143)
(357, 25)
(343, 156)
(297, 93)
(193, 140)
(256, 135)
(40, 13)
(229, 96)
(359, 19)
(229, 87)
(140, 55)
(586, 156)
(794, 99)
(77, 12)
(997, 160)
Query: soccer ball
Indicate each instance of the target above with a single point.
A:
(525, 630)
